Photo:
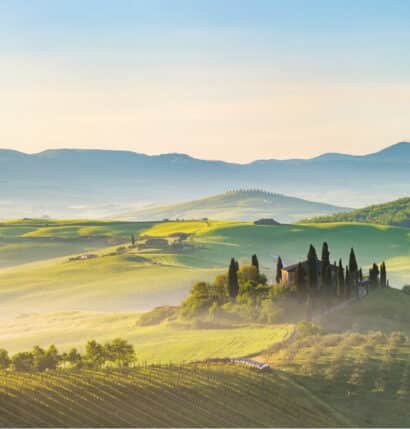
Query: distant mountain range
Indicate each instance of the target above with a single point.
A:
(98, 183)
(396, 213)
(238, 205)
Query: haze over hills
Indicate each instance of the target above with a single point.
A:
(99, 183)
(395, 213)
(238, 205)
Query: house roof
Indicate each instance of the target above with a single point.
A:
(293, 267)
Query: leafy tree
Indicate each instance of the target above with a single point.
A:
(233, 285)
(74, 358)
(248, 273)
(312, 262)
(95, 353)
(120, 352)
(22, 361)
(4, 359)
(255, 263)
(39, 363)
(279, 266)
(220, 289)
(52, 357)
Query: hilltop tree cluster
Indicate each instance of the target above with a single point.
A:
(245, 290)
(118, 353)
(323, 279)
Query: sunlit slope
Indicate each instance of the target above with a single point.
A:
(239, 205)
(28, 240)
(364, 377)
(142, 278)
(177, 396)
(160, 343)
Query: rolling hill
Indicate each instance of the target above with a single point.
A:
(120, 278)
(98, 183)
(392, 213)
(238, 205)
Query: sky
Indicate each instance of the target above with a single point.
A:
(217, 79)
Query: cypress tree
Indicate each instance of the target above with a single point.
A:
(340, 280)
(348, 284)
(255, 263)
(233, 286)
(324, 270)
(312, 262)
(353, 273)
(300, 282)
(279, 266)
(383, 275)
(374, 276)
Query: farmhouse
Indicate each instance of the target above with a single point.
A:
(289, 272)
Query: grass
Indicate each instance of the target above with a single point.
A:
(160, 343)
(172, 396)
(141, 279)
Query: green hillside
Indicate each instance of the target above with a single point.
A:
(365, 377)
(393, 213)
(29, 240)
(122, 278)
(164, 343)
(239, 205)
(208, 395)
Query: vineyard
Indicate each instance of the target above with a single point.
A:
(366, 377)
(160, 396)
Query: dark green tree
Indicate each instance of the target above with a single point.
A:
(324, 269)
(300, 280)
(383, 275)
(312, 271)
(4, 359)
(279, 266)
(255, 263)
(132, 240)
(374, 276)
(340, 280)
(353, 273)
(348, 284)
(233, 285)
(95, 354)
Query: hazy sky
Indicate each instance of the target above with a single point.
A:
(235, 80)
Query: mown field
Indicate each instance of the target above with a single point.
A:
(140, 279)
(213, 395)
(363, 376)
(153, 344)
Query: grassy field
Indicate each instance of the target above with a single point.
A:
(153, 344)
(29, 240)
(172, 396)
(141, 279)
(364, 377)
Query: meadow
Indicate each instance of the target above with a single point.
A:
(167, 342)
(138, 279)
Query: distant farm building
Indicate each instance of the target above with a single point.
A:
(266, 222)
(289, 272)
(83, 257)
